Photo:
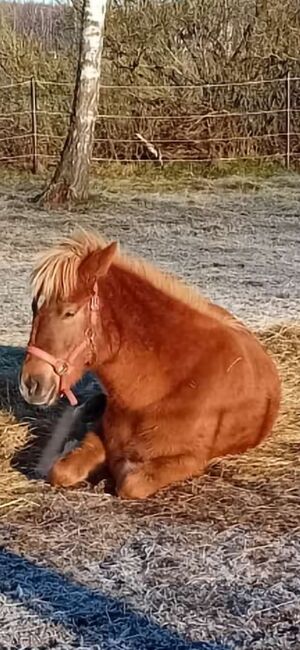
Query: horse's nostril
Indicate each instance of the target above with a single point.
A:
(32, 385)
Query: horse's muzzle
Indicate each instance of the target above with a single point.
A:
(37, 392)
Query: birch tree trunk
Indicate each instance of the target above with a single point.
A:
(70, 180)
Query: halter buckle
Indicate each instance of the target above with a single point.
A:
(61, 367)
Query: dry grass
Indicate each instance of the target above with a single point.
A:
(13, 485)
(239, 41)
(114, 178)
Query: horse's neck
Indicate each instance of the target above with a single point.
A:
(135, 322)
(137, 307)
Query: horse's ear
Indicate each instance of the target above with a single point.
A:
(97, 264)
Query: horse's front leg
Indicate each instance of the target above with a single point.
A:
(80, 463)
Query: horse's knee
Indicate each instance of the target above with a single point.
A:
(63, 474)
(69, 471)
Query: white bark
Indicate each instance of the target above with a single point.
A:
(71, 176)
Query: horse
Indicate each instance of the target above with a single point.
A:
(187, 382)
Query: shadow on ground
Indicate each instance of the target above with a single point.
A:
(40, 422)
(90, 616)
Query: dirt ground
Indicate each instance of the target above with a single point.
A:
(214, 563)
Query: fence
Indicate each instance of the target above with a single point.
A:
(249, 120)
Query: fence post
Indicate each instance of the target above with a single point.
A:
(33, 125)
(288, 120)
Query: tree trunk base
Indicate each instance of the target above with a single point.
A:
(59, 193)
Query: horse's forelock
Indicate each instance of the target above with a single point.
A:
(56, 272)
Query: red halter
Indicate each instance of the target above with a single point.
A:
(63, 367)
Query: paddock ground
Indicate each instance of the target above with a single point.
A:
(213, 563)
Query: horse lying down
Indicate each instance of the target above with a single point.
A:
(187, 382)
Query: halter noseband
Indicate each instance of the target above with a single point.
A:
(63, 367)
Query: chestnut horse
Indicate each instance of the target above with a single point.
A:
(186, 381)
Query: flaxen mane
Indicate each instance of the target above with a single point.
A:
(56, 272)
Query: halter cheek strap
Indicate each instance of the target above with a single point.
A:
(64, 367)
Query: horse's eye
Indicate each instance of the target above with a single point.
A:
(69, 314)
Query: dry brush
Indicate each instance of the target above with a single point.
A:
(179, 47)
